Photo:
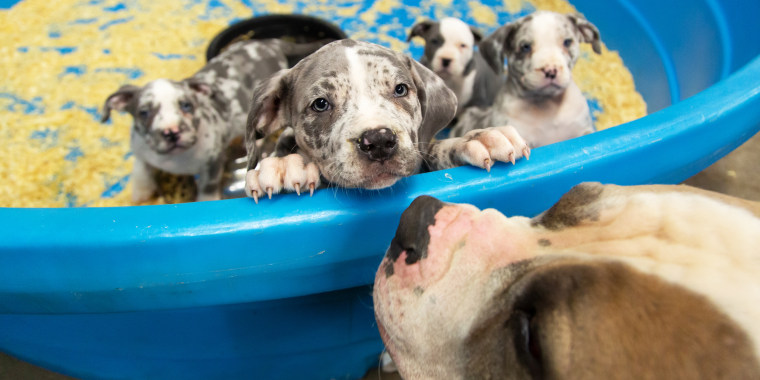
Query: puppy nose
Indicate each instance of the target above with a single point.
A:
(170, 136)
(378, 144)
(550, 72)
(412, 235)
(445, 62)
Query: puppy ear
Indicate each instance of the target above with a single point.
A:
(588, 31)
(199, 86)
(476, 34)
(119, 100)
(438, 102)
(266, 114)
(420, 29)
(494, 47)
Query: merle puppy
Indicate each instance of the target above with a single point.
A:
(540, 98)
(450, 53)
(360, 115)
(184, 127)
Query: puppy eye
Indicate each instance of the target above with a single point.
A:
(320, 105)
(526, 48)
(568, 42)
(186, 107)
(462, 46)
(143, 114)
(435, 41)
(401, 90)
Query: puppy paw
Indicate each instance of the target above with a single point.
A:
(482, 147)
(276, 174)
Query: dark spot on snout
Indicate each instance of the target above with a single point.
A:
(544, 242)
(412, 234)
(573, 208)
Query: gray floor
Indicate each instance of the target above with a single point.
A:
(737, 174)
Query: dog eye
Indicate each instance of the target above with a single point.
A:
(462, 46)
(320, 105)
(568, 42)
(435, 41)
(186, 107)
(401, 90)
(143, 114)
(526, 340)
(526, 47)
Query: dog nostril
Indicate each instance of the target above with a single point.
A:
(550, 73)
(445, 62)
(378, 144)
(170, 136)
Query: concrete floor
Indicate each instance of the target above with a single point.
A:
(737, 174)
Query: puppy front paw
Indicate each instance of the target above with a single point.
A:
(482, 147)
(276, 174)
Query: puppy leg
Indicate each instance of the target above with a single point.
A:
(290, 173)
(472, 118)
(209, 180)
(480, 147)
(143, 181)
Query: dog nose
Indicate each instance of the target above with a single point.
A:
(378, 144)
(445, 62)
(550, 72)
(412, 235)
(170, 135)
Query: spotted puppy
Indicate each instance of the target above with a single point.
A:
(183, 127)
(539, 98)
(449, 52)
(360, 115)
(644, 282)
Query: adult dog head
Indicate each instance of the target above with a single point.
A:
(611, 282)
(359, 111)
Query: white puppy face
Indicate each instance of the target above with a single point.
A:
(448, 46)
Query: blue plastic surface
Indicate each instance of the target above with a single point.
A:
(281, 289)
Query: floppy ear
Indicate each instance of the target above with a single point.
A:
(438, 102)
(201, 87)
(420, 29)
(588, 31)
(266, 115)
(119, 100)
(494, 47)
(476, 34)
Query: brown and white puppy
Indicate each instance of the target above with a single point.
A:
(450, 53)
(184, 127)
(539, 97)
(359, 115)
(636, 282)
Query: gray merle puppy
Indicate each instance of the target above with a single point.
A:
(184, 127)
(360, 115)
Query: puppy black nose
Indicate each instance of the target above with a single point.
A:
(170, 135)
(378, 144)
(445, 62)
(412, 235)
(550, 72)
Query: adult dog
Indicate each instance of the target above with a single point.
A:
(611, 282)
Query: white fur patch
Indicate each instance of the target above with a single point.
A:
(167, 95)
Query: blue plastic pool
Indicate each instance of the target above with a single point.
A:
(281, 289)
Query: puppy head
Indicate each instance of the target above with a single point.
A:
(541, 50)
(363, 113)
(165, 113)
(648, 282)
(448, 46)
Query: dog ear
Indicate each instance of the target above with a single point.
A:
(476, 34)
(438, 102)
(494, 47)
(199, 86)
(119, 100)
(420, 29)
(266, 114)
(588, 31)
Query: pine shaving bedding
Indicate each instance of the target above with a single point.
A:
(62, 59)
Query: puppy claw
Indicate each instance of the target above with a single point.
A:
(255, 196)
(512, 157)
(269, 192)
(487, 164)
(297, 188)
(311, 189)
(526, 153)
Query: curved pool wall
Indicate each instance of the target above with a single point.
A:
(281, 289)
